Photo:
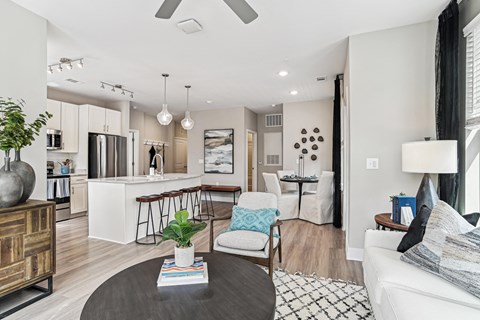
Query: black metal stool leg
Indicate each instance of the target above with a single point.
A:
(138, 220)
(153, 224)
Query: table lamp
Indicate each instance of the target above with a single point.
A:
(428, 157)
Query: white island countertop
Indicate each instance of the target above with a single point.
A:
(113, 209)
(147, 179)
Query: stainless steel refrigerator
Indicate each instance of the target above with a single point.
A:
(107, 156)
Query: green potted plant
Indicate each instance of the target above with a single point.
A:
(181, 230)
(16, 133)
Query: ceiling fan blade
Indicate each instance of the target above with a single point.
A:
(242, 9)
(167, 9)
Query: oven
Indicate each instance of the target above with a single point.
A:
(58, 190)
(54, 139)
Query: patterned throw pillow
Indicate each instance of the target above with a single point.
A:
(443, 221)
(252, 220)
(460, 261)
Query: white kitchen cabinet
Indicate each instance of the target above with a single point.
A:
(106, 121)
(55, 108)
(96, 119)
(65, 119)
(69, 128)
(113, 122)
(78, 194)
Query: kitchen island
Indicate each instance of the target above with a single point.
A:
(113, 211)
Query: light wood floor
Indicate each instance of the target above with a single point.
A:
(83, 263)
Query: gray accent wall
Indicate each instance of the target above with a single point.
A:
(391, 101)
(23, 76)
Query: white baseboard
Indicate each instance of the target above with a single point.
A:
(354, 254)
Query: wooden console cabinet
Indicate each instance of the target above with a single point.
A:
(27, 245)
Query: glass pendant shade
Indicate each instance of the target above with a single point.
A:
(187, 122)
(164, 117)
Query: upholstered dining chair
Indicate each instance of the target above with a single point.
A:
(287, 202)
(318, 207)
(254, 246)
(286, 186)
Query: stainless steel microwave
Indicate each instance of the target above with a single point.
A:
(54, 139)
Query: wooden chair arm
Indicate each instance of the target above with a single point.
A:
(277, 223)
(212, 220)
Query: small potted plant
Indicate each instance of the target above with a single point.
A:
(181, 230)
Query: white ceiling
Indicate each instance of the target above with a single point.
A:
(230, 63)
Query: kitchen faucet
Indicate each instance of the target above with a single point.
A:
(161, 164)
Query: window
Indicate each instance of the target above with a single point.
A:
(472, 33)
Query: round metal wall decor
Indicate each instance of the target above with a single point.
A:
(304, 151)
(304, 140)
(312, 138)
(316, 130)
(320, 138)
(313, 157)
(297, 145)
(304, 131)
(314, 147)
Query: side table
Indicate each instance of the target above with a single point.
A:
(384, 221)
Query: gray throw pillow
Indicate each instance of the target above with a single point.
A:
(460, 261)
(443, 221)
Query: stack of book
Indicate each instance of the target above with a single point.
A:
(399, 202)
(171, 275)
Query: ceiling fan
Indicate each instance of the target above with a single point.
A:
(241, 8)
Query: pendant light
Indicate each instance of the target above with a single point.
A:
(164, 117)
(187, 122)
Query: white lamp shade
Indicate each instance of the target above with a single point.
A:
(430, 156)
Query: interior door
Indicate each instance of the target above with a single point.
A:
(181, 156)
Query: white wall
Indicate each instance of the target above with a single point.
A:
(218, 119)
(23, 60)
(149, 128)
(308, 115)
(392, 92)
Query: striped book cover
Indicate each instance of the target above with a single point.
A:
(170, 270)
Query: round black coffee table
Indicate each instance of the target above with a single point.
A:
(237, 289)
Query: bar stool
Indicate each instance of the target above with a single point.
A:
(161, 203)
(149, 200)
(192, 195)
(205, 190)
(171, 196)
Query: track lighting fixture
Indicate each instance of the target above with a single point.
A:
(164, 117)
(116, 86)
(65, 62)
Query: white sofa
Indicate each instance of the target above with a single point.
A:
(398, 290)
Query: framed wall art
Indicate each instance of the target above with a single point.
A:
(218, 151)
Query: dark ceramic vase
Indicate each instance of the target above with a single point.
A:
(11, 186)
(26, 173)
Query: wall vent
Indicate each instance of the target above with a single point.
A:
(273, 120)
(72, 80)
(273, 160)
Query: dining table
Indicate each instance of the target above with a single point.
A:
(300, 181)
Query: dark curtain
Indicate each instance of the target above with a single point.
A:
(447, 98)
(336, 158)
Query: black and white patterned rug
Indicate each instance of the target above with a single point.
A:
(309, 297)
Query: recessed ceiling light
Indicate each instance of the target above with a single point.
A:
(135, 107)
(294, 92)
(274, 105)
(283, 73)
(209, 101)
